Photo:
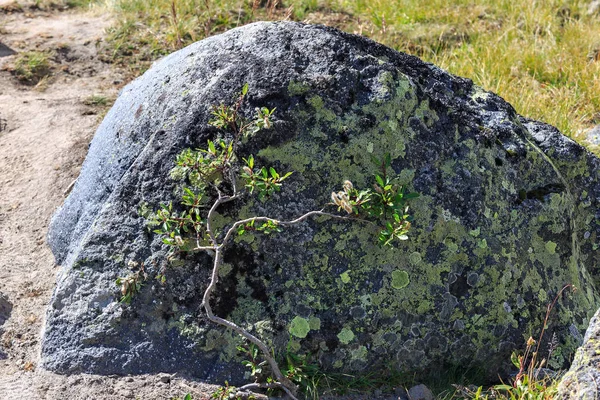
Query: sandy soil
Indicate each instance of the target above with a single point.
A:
(44, 136)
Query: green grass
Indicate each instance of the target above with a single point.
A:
(97, 100)
(147, 29)
(31, 67)
(20, 5)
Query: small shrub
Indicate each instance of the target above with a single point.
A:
(210, 178)
(131, 284)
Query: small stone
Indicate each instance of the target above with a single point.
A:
(164, 378)
(420, 392)
(6, 51)
(593, 135)
(5, 308)
(401, 393)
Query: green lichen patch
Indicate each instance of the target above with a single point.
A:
(314, 323)
(415, 258)
(551, 247)
(345, 336)
(297, 88)
(359, 353)
(345, 276)
(400, 279)
(299, 327)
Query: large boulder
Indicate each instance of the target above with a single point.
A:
(508, 214)
(581, 381)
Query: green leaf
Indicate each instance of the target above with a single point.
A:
(514, 358)
(388, 160)
(245, 89)
(211, 147)
(274, 173)
(411, 195)
(478, 393)
(249, 161)
(379, 180)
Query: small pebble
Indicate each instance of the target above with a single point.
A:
(420, 392)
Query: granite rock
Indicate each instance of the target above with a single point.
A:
(508, 214)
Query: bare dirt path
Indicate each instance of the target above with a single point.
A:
(44, 136)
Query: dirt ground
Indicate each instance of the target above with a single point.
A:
(44, 135)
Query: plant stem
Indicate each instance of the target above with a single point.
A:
(283, 380)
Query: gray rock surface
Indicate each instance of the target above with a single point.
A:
(593, 136)
(420, 392)
(5, 309)
(6, 51)
(581, 382)
(508, 214)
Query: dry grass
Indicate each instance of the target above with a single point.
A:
(148, 29)
(32, 67)
(541, 56)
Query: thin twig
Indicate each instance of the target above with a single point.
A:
(70, 187)
(211, 212)
(548, 310)
(233, 228)
(274, 385)
(283, 381)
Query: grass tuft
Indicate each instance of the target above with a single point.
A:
(32, 67)
(97, 100)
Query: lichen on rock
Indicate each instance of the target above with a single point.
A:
(507, 216)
